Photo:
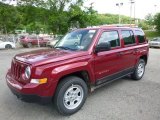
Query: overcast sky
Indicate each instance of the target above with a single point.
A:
(143, 7)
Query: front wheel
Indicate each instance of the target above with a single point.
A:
(8, 46)
(29, 45)
(139, 70)
(70, 95)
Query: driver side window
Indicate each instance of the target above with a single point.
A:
(110, 36)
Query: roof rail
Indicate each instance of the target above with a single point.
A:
(115, 25)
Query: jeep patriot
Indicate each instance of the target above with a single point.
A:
(80, 62)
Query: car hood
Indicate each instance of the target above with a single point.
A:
(44, 56)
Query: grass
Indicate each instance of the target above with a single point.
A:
(152, 34)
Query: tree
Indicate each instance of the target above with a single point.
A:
(9, 18)
(149, 19)
(157, 22)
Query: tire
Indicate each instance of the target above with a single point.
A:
(29, 45)
(44, 45)
(72, 90)
(139, 70)
(8, 46)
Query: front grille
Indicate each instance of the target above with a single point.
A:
(16, 70)
(154, 43)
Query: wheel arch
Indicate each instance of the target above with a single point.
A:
(83, 74)
(145, 58)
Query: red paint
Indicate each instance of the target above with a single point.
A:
(54, 64)
(33, 41)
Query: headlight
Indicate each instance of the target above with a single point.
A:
(28, 72)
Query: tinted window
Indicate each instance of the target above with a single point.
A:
(128, 37)
(33, 37)
(156, 39)
(22, 37)
(110, 36)
(140, 36)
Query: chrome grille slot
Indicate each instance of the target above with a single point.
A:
(16, 70)
(154, 43)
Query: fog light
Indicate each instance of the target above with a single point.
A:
(39, 81)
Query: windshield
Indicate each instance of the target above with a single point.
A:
(156, 39)
(76, 40)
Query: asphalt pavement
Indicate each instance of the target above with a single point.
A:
(120, 100)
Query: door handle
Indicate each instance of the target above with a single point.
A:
(120, 53)
(136, 49)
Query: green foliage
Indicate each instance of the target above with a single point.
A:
(157, 21)
(144, 25)
(151, 34)
(57, 16)
(8, 17)
(111, 19)
(149, 19)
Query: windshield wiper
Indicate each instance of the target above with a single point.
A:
(65, 48)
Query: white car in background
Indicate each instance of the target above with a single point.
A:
(7, 45)
(155, 42)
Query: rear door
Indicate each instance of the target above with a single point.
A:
(129, 49)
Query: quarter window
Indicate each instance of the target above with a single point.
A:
(140, 36)
(128, 37)
(110, 36)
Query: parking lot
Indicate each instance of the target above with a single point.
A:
(121, 100)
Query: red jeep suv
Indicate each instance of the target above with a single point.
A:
(29, 41)
(81, 61)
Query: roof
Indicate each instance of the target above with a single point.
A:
(111, 27)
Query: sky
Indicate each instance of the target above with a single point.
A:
(142, 7)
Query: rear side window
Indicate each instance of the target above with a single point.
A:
(110, 36)
(22, 37)
(140, 36)
(33, 37)
(128, 37)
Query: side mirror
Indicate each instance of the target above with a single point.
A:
(104, 46)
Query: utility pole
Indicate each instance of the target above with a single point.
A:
(119, 6)
(91, 10)
(132, 2)
(155, 6)
(134, 12)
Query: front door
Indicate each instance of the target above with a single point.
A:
(108, 63)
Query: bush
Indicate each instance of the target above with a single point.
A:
(152, 34)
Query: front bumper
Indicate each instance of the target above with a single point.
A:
(28, 92)
(31, 98)
(152, 45)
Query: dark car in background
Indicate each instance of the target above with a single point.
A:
(29, 41)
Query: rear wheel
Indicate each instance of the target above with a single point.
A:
(70, 95)
(139, 70)
(8, 46)
(29, 45)
(24, 46)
